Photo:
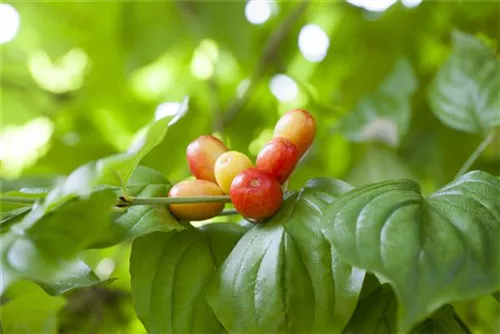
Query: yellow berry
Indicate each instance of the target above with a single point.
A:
(227, 166)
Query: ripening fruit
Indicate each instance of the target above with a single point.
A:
(196, 211)
(227, 166)
(278, 158)
(299, 127)
(256, 194)
(201, 156)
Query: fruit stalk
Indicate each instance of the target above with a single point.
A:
(180, 200)
(138, 201)
(18, 200)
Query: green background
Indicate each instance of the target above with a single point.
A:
(81, 80)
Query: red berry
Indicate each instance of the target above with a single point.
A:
(278, 158)
(256, 194)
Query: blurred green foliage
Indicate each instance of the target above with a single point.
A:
(81, 80)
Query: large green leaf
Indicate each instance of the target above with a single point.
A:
(117, 169)
(383, 115)
(376, 313)
(139, 220)
(432, 250)
(170, 272)
(43, 247)
(464, 94)
(29, 310)
(283, 276)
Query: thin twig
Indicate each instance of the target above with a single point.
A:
(180, 200)
(477, 152)
(269, 53)
(139, 201)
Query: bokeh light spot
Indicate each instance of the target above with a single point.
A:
(21, 146)
(373, 5)
(150, 82)
(64, 75)
(9, 23)
(204, 58)
(258, 12)
(411, 3)
(283, 87)
(313, 43)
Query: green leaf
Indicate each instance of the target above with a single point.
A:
(170, 272)
(12, 217)
(377, 310)
(432, 250)
(464, 94)
(444, 320)
(43, 247)
(139, 220)
(383, 115)
(195, 123)
(6, 207)
(283, 276)
(117, 169)
(30, 310)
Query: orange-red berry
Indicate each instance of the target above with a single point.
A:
(201, 156)
(299, 127)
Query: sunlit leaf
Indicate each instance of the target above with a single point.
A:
(117, 169)
(43, 247)
(283, 276)
(432, 250)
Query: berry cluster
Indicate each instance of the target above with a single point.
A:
(255, 191)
